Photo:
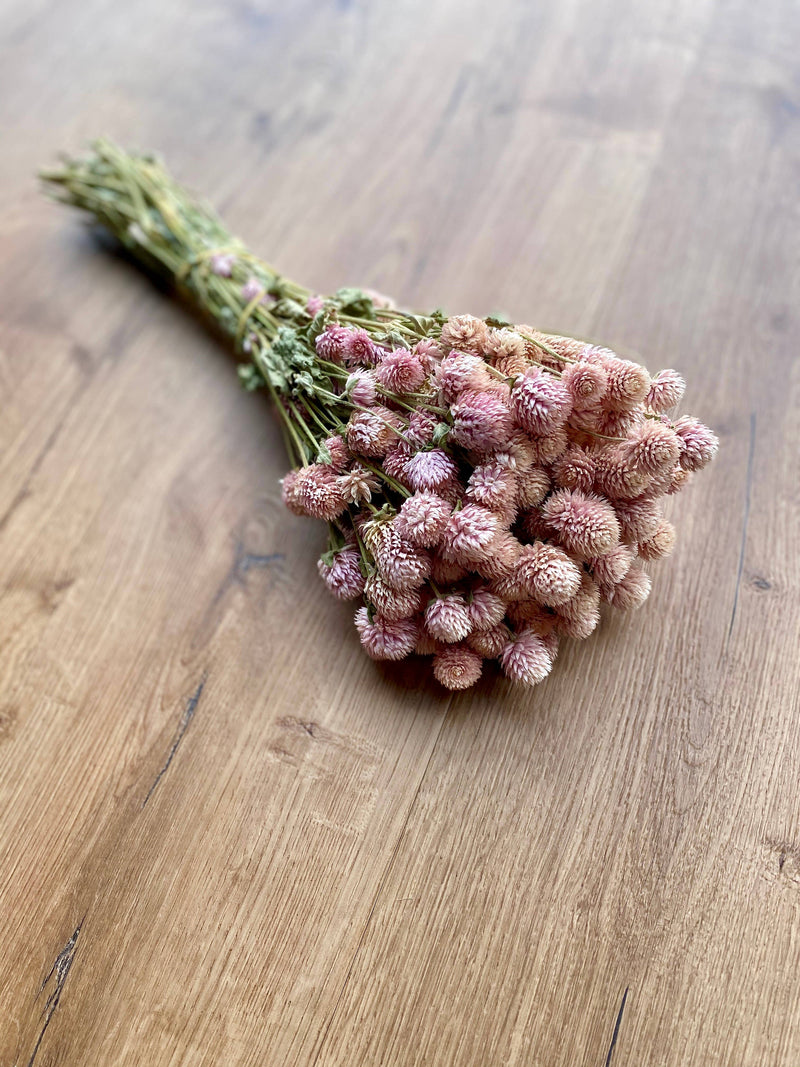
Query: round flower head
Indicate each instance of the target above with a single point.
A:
(492, 485)
(489, 643)
(289, 493)
(579, 626)
(343, 576)
(459, 371)
(337, 449)
(481, 421)
(501, 554)
(586, 384)
(362, 350)
(386, 640)
(222, 264)
(529, 615)
(526, 658)
(464, 333)
(315, 490)
(400, 372)
(428, 352)
(391, 604)
(534, 527)
(447, 618)
(504, 344)
(698, 444)
(585, 603)
(361, 388)
(333, 344)
(539, 402)
(370, 433)
(652, 447)
(518, 453)
(632, 591)
(401, 564)
(548, 448)
(315, 304)
(585, 524)
(468, 532)
(611, 567)
(547, 574)
(575, 469)
(395, 461)
(422, 519)
(512, 365)
(358, 484)
(251, 289)
(532, 488)
(638, 520)
(679, 480)
(485, 608)
(665, 391)
(430, 470)
(660, 543)
(419, 431)
(445, 572)
(568, 347)
(628, 384)
(457, 667)
(617, 477)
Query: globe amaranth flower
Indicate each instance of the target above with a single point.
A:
(447, 618)
(526, 658)
(539, 402)
(585, 524)
(457, 667)
(383, 639)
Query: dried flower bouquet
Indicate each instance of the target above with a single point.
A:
(486, 487)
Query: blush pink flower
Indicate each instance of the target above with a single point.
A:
(611, 567)
(481, 421)
(370, 433)
(391, 604)
(485, 609)
(419, 431)
(426, 645)
(585, 524)
(361, 388)
(698, 444)
(492, 485)
(333, 344)
(526, 658)
(315, 304)
(422, 519)
(547, 574)
(315, 490)
(289, 493)
(632, 591)
(400, 372)
(617, 477)
(401, 564)
(343, 576)
(337, 449)
(575, 469)
(383, 639)
(222, 264)
(628, 384)
(428, 352)
(638, 520)
(504, 344)
(358, 484)
(651, 446)
(445, 572)
(457, 667)
(251, 288)
(464, 333)
(447, 618)
(532, 488)
(430, 470)
(665, 391)
(518, 453)
(548, 448)
(539, 402)
(660, 543)
(586, 383)
(468, 532)
(489, 643)
(458, 372)
(362, 350)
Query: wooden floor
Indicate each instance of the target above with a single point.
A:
(227, 837)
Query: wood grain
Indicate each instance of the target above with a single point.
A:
(226, 836)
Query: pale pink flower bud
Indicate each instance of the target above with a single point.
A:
(632, 591)
(361, 388)
(343, 577)
(526, 659)
(391, 603)
(386, 640)
(660, 543)
(539, 402)
(458, 372)
(584, 603)
(508, 586)
(333, 344)
(698, 444)
(628, 384)
(337, 448)
(400, 564)
(380, 300)
(680, 479)
(222, 265)
(512, 365)
(445, 572)
(315, 304)
(464, 333)
(585, 524)
(500, 556)
(422, 519)
(428, 352)
(289, 493)
(468, 532)
(652, 447)
(430, 470)
(586, 384)
(665, 391)
(518, 453)
(579, 626)
(481, 421)
(485, 609)
(489, 643)
(358, 484)
(547, 449)
(457, 667)
(315, 490)
(638, 520)
(530, 615)
(532, 488)
(251, 288)
(575, 469)
(492, 485)
(420, 429)
(547, 574)
(362, 350)
(400, 372)
(447, 618)
(370, 433)
(617, 477)
(504, 344)
(569, 347)
(611, 567)
(395, 462)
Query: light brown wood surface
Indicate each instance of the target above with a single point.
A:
(227, 837)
